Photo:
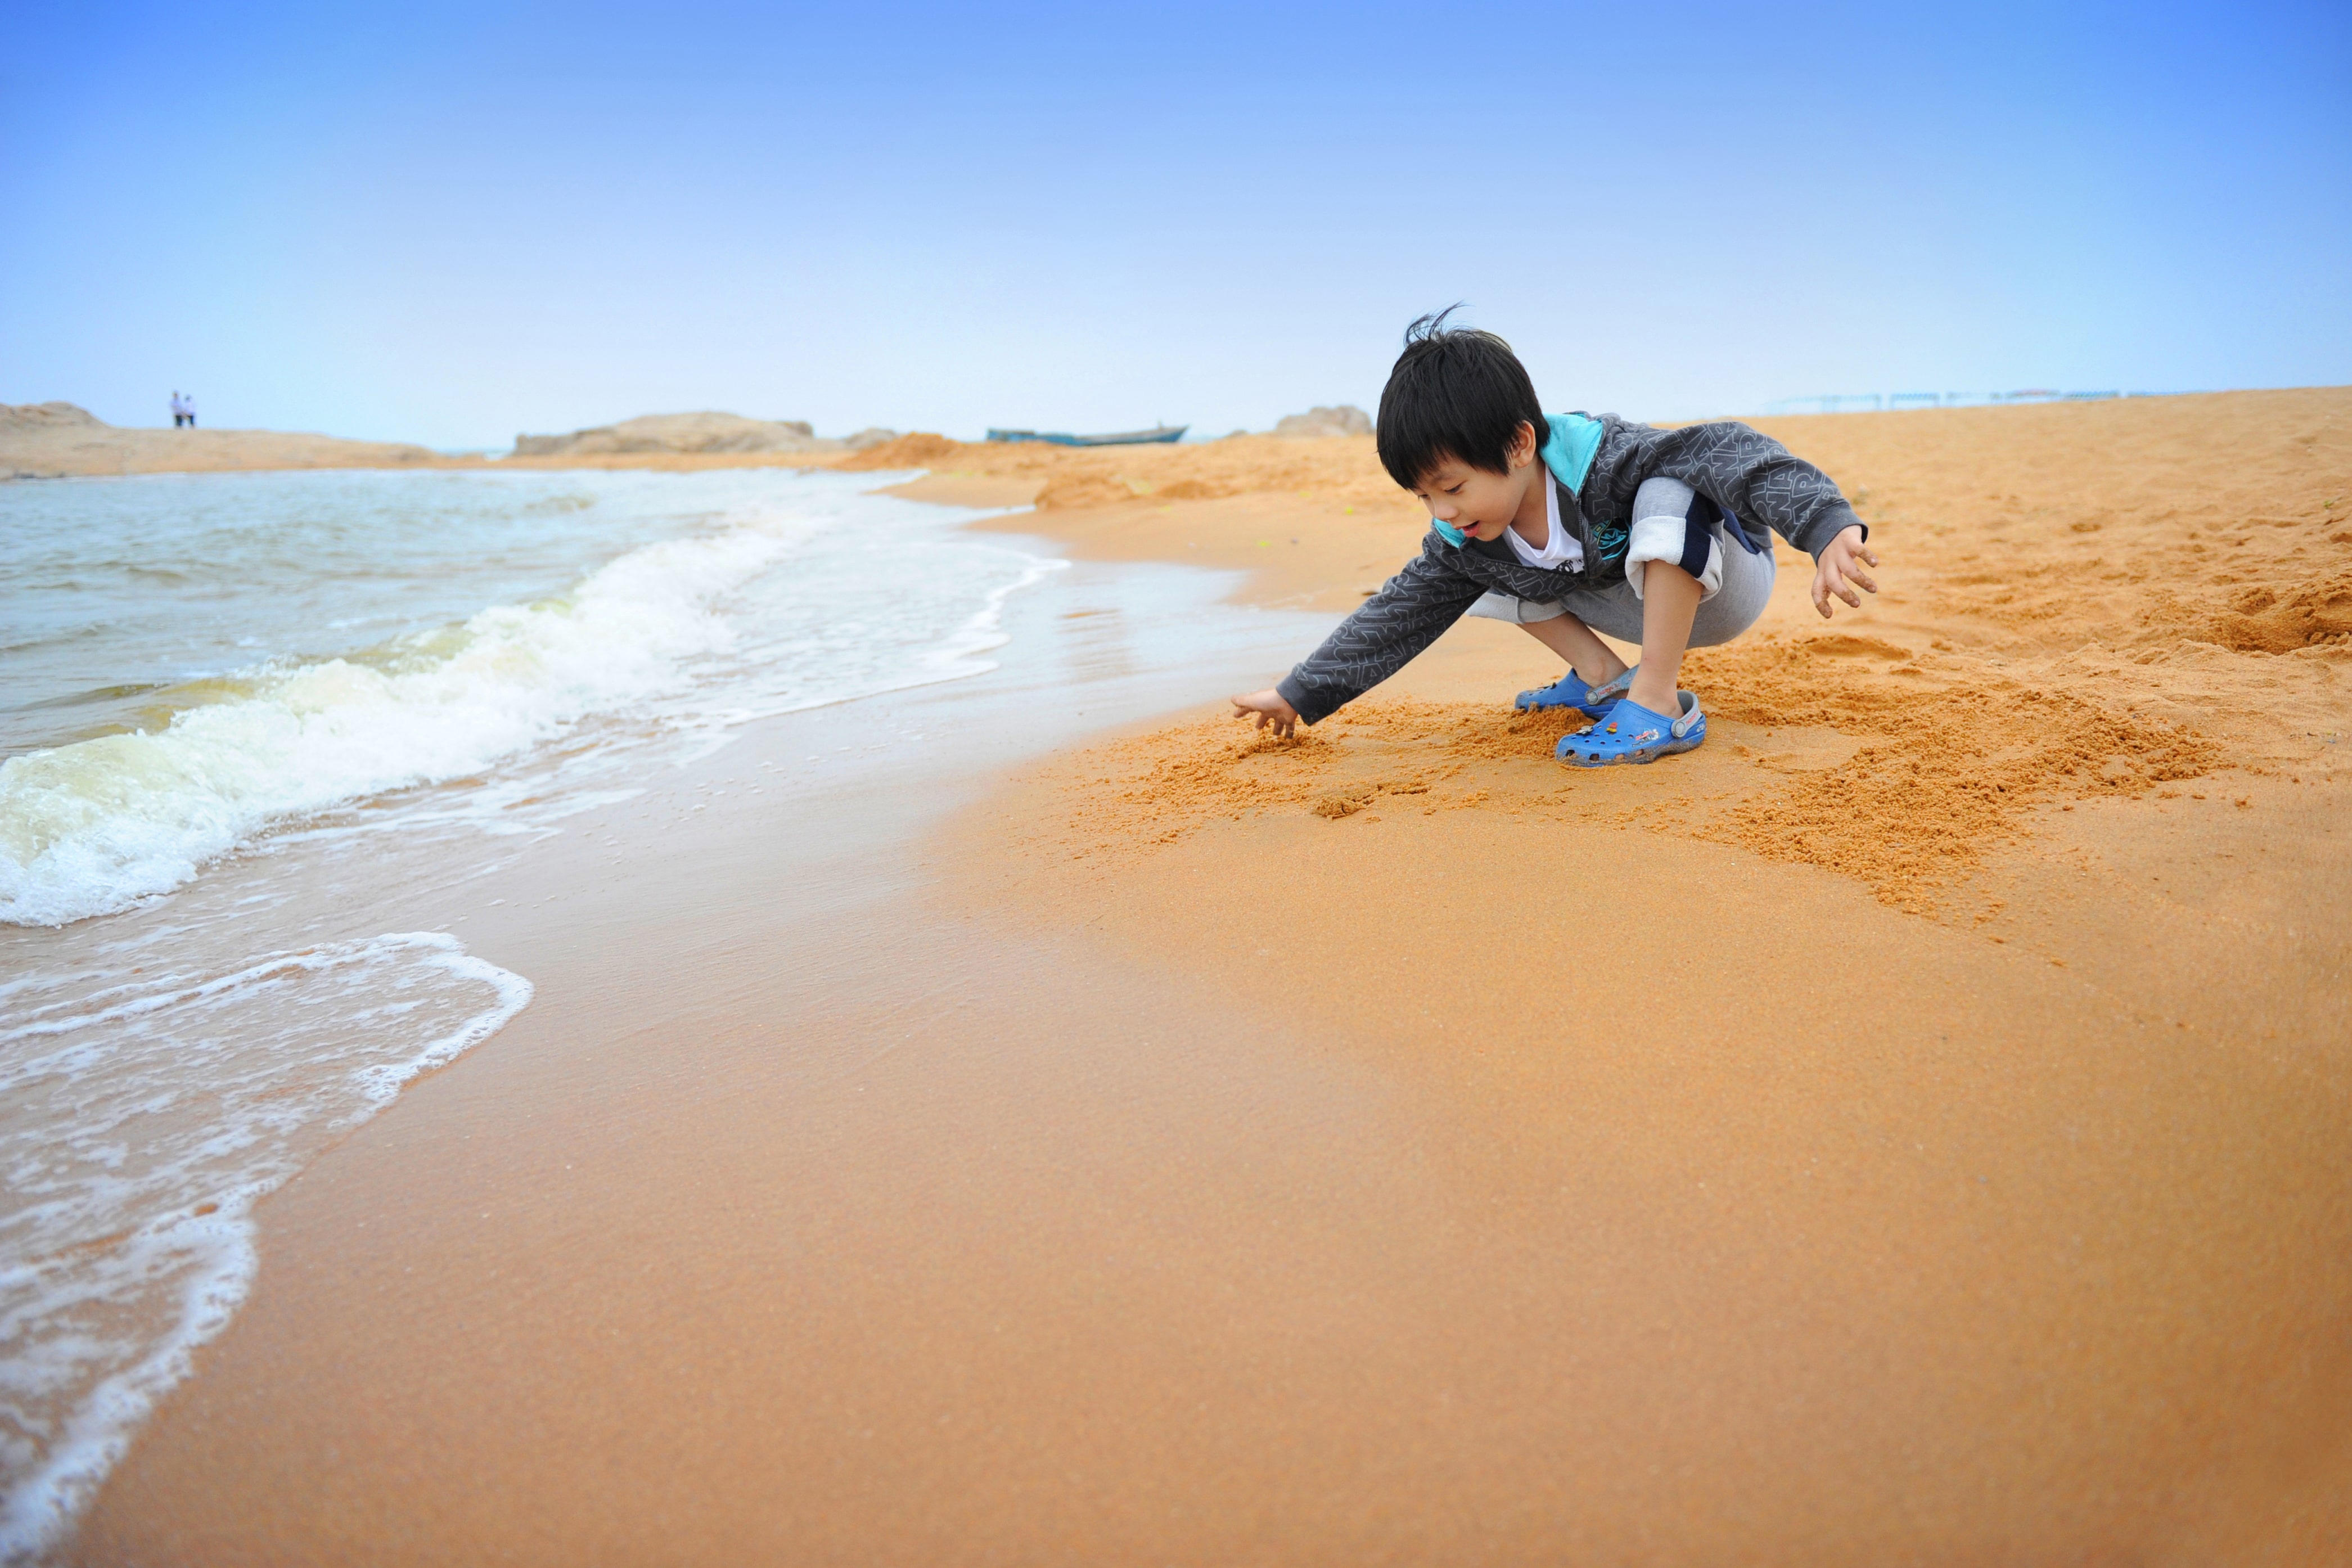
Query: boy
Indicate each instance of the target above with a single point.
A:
(1569, 525)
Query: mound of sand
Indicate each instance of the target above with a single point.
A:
(1079, 477)
(1347, 419)
(53, 440)
(921, 450)
(706, 432)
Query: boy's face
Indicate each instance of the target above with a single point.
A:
(1479, 502)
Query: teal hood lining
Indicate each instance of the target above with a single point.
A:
(1568, 452)
(1575, 442)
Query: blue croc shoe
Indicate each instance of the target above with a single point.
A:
(1630, 733)
(1570, 691)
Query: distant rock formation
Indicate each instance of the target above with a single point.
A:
(28, 418)
(1345, 420)
(695, 433)
(47, 440)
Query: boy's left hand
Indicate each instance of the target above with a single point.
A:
(1840, 571)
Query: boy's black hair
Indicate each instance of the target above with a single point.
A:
(1456, 393)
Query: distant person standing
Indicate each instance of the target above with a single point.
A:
(188, 407)
(178, 411)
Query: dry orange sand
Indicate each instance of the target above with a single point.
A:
(1908, 1128)
(2081, 601)
(2078, 767)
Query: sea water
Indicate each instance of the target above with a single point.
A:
(192, 659)
(227, 701)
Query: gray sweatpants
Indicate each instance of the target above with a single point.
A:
(1735, 575)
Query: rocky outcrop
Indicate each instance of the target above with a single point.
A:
(694, 432)
(47, 440)
(1345, 420)
(29, 418)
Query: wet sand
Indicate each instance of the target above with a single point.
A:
(1908, 1128)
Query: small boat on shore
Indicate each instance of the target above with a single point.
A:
(1159, 434)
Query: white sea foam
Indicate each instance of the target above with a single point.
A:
(91, 827)
(140, 1119)
(96, 826)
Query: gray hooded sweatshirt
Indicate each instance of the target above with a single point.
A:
(1596, 465)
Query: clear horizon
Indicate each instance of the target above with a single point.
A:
(450, 225)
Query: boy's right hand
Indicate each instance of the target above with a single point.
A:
(1839, 572)
(1267, 707)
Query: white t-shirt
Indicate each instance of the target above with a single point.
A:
(1560, 549)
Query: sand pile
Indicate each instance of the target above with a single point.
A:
(1245, 465)
(921, 450)
(2265, 619)
(1073, 478)
(1953, 764)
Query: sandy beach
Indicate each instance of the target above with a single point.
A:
(1908, 1128)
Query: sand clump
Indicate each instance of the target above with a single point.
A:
(1951, 768)
(2265, 619)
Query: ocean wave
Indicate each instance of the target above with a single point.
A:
(97, 826)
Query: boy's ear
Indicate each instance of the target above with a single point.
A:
(1523, 446)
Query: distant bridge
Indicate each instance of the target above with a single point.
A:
(1875, 402)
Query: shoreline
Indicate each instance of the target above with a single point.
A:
(616, 935)
(1086, 477)
(1121, 1166)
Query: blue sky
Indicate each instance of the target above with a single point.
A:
(450, 223)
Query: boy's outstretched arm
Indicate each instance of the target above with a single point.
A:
(1423, 598)
(1840, 571)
